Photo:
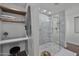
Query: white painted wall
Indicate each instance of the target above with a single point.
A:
(14, 29)
(71, 36)
(35, 27)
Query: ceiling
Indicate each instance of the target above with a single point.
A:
(56, 7)
(20, 4)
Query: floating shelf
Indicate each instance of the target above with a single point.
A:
(13, 40)
(5, 9)
(10, 20)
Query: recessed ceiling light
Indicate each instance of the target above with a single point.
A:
(44, 11)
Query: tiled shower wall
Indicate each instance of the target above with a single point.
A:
(45, 29)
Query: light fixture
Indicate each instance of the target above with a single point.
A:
(49, 12)
(44, 11)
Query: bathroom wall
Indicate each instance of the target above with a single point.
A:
(71, 36)
(15, 30)
(34, 41)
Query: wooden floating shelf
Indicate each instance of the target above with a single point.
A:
(10, 20)
(5, 9)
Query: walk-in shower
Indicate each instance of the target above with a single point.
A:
(51, 32)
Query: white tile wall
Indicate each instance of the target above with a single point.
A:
(44, 29)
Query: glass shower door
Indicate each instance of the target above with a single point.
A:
(58, 21)
(55, 34)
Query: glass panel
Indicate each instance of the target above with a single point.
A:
(56, 33)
